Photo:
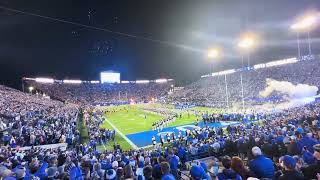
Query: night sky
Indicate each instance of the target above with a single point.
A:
(168, 38)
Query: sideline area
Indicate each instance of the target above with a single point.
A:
(122, 135)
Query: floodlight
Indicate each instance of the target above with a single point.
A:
(247, 42)
(31, 89)
(213, 53)
(305, 23)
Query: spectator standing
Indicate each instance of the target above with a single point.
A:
(261, 166)
(289, 172)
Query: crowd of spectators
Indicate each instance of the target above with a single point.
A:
(97, 135)
(284, 145)
(211, 91)
(86, 93)
(29, 120)
(278, 145)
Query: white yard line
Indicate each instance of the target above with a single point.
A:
(104, 146)
(122, 135)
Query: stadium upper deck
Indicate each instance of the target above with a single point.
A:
(213, 90)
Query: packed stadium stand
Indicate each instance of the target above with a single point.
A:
(211, 91)
(87, 93)
(285, 140)
(281, 145)
(34, 120)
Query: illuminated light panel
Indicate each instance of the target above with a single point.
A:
(94, 82)
(68, 81)
(215, 74)
(142, 81)
(204, 76)
(44, 80)
(161, 80)
(230, 71)
(281, 62)
(257, 66)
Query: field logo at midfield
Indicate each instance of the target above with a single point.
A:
(187, 127)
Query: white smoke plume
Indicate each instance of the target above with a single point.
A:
(292, 91)
(296, 95)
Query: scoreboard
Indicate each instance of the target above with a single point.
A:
(110, 77)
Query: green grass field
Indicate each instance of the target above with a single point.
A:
(130, 119)
(133, 120)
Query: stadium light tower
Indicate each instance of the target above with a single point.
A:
(213, 54)
(246, 43)
(298, 40)
(305, 24)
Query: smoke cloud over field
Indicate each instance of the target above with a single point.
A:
(296, 95)
(293, 91)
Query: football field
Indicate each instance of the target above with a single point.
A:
(133, 123)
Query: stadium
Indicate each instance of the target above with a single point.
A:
(250, 119)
